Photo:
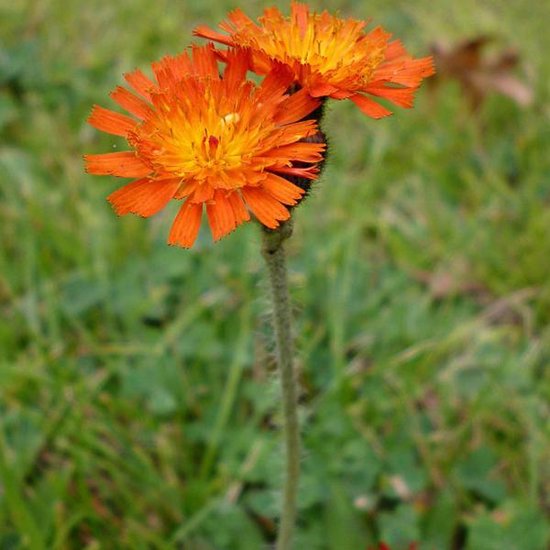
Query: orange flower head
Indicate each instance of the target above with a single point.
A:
(210, 140)
(329, 56)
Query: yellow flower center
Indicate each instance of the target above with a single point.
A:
(333, 47)
(205, 143)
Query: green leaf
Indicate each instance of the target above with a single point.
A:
(162, 402)
(400, 527)
(342, 527)
(439, 522)
(514, 526)
(476, 473)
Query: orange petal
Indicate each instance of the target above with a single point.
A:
(296, 107)
(403, 97)
(205, 62)
(208, 33)
(133, 104)
(395, 49)
(282, 190)
(170, 70)
(179, 66)
(221, 217)
(304, 152)
(141, 83)
(143, 197)
(299, 14)
(310, 172)
(296, 131)
(239, 209)
(322, 89)
(238, 20)
(370, 107)
(202, 193)
(341, 94)
(111, 122)
(275, 83)
(261, 63)
(272, 16)
(162, 70)
(376, 38)
(124, 164)
(267, 209)
(186, 226)
(407, 72)
(238, 62)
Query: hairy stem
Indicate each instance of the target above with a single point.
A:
(274, 254)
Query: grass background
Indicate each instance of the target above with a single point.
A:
(138, 407)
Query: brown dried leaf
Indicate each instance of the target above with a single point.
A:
(479, 74)
(444, 284)
(513, 88)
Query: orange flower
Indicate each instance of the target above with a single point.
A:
(329, 56)
(219, 141)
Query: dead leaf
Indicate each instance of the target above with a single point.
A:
(400, 486)
(445, 284)
(479, 74)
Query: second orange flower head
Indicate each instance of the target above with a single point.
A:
(214, 141)
(329, 56)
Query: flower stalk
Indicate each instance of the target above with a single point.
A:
(274, 254)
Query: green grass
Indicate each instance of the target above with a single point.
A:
(138, 407)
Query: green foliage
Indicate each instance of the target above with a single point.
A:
(514, 526)
(137, 402)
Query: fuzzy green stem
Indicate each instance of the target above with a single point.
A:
(274, 254)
